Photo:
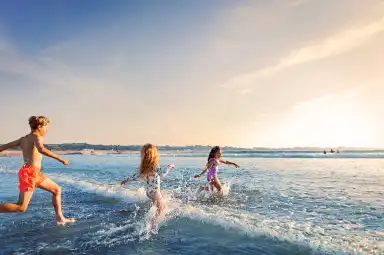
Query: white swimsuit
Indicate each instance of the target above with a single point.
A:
(153, 181)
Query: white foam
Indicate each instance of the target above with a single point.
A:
(114, 234)
(46, 247)
(247, 223)
(204, 195)
(103, 189)
(285, 229)
(4, 171)
(141, 227)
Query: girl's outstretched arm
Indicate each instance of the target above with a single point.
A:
(210, 164)
(229, 163)
(131, 178)
(167, 170)
(10, 145)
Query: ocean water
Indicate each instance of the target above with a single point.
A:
(308, 204)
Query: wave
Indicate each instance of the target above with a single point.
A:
(281, 228)
(4, 171)
(321, 239)
(285, 154)
(379, 154)
(247, 223)
(107, 190)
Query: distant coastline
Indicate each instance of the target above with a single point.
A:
(203, 150)
(84, 147)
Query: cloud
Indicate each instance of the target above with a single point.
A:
(329, 99)
(49, 69)
(297, 2)
(337, 44)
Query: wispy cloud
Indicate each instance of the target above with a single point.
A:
(337, 44)
(296, 2)
(329, 99)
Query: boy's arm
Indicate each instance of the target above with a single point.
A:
(38, 140)
(10, 145)
(229, 163)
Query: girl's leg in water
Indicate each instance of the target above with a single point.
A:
(212, 186)
(217, 184)
(20, 206)
(161, 206)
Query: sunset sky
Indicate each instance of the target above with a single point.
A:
(278, 73)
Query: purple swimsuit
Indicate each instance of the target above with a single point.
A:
(212, 172)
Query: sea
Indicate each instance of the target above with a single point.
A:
(277, 202)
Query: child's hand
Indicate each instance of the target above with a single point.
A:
(65, 162)
(196, 176)
(237, 166)
(171, 166)
(123, 182)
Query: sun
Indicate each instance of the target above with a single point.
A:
(335, 120)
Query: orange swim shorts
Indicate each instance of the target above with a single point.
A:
(30, 177)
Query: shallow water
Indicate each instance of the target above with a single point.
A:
(275, 206)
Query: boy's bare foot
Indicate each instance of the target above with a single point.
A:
(63, 221)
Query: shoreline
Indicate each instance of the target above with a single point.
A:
(10, 153)
(271, 153)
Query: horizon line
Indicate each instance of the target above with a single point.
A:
(230, 146)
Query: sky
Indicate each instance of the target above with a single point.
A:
(278, 73)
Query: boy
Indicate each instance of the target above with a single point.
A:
(30, 176)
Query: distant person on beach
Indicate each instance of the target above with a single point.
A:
(212, 167)
(29, 174)
(150, 171)
(325, 152)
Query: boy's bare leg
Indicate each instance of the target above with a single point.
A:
(20, 206)
(55, 189)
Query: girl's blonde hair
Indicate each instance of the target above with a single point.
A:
(149, 161)
(36, 122)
